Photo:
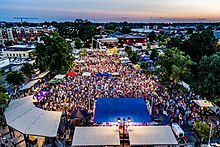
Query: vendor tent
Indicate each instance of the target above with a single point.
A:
(23, 116)
(72, 73)
(86, 74)
(29, 84)
(98, 74)
(115, 73)
(59, 76)
(151, 135)
(203, 103)
(42, 75)
(106, 74)
(96, 136)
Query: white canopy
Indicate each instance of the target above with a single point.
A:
(59, 76)
(29, 84)
(41, 75)
(151, 135)
(23, 116)
(96, 136)
(108, 40)
(203, 103)
(86, 74)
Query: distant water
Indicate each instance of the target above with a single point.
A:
(217, 34)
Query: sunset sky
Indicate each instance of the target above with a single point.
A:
(112, 10)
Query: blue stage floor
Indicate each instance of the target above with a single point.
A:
(109, 109)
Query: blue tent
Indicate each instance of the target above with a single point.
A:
(109, 109)
(145, 58)
(106, 74)
(98, 74)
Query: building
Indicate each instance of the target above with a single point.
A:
(6, 34)
(18, 51)
(5, 65)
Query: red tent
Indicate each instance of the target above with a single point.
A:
(72, 73)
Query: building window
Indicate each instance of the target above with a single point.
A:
(13, 55)
(24, 55)
(7, 55)
(10, 55)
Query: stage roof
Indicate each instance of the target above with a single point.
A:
(151, 135)
(23, 116)
(109, 109)
(96, 136)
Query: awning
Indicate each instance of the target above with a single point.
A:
(29, 84)
(115, 73)
(42, 75)
(86, 74)
(96, 136)
(23, 116)
(151, 135)
(59, 76)
(203, 103)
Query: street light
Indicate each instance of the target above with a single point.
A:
(123, 124)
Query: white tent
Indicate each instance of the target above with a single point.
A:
(203, 103)
(41, 75)
(59, 76)
(96, 136)
(29, 84)
(151, 135)
(23, 116)
(86, 74)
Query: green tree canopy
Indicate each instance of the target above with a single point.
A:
(27, 69)
(202, 129)
(15, 77)
(152, 36)
(54, 54)
(78, 43)
(209, 77)
(200, 44)
(154, 54)
(173, 66)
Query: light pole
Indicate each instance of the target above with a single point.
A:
(123, 124)
(210, 134)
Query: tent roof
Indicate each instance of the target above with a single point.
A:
(29, 84)
(203, 103)
(151, 135)
(41, 75)
(95, 136)
(23, 116)
(86, 74)
(59, 76)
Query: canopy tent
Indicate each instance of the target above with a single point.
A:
(41, 94)
(203, 103)
(59, 77)
(76, 114)
(42, 75)
(109, 109)
(86, 74)
(106, 74)
(115, 73)
(79, 61)
(151, 135)
(108, 40)
(72, 73)
(54, 81)
(23, 116)
(98, 74)
(29, 84)
(136, 66)
(96, 136)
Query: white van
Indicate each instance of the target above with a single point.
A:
(177, 130)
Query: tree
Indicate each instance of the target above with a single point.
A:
(154, 54)
(27, 69)
(134, 57)
(3, 99)
(175, 42)
(128, 50)
(173, 67)
(2, 89)
(54, 54)
(200, 44)
(209, 77)
(78, 43)
(152, 36)
(126, 30)
(15, 77)
(202, 129)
